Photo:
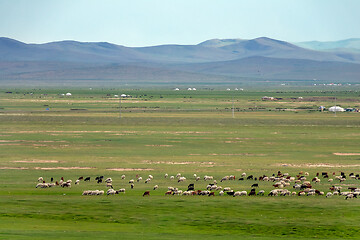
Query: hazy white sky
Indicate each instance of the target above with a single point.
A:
(156, 22)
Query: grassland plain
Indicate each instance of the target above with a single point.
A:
(169, 132)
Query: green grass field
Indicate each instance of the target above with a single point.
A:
(162, 131)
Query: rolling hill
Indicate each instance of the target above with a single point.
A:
(216, 60)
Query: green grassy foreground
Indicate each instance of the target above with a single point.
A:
(174, 132)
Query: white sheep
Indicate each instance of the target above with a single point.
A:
(181, 179)
(150, 176)
(156, 187)
(261, 193)
(206, 178)
(139, 179)
(329, 194)
(224, 178)
(131, 181)
(178, 175)
(111, 192)
(40, 179)
(221, 193)
(121, 190)
(77, 182)
(108, 180)
(122, 177)
(166, 175)
(172, 177)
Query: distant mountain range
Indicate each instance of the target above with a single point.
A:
(212, 61)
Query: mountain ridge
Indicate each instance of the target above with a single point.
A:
(208, 61)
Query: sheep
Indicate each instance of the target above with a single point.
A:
(156, 187)
(147, 180)
(111, 192)
(132, 186)
(181, 179)
(195, 175)
(197, 178)
(240, 193)
(166, 175)
(146, 193)
(86, 192)
(131, 181)
(206, 178)
(40, 179)
(150, 176)
(227, 189)
(243, 175)
(65, 184)
(87, 179)
(261, 193)
(329, 194)
(108, 180)
(109, 185)
(77, 182)
(121, 190)
(224, 178)
(178, 175)
(348, 196)
(122, 177)
(41, 185)
(221, 193)
(330, 180)
(302, 193)
(139, 179)
(171, 177)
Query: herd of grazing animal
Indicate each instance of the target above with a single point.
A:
(298, 185)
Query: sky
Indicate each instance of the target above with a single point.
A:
(136, 23)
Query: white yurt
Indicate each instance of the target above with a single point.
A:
(336, 109)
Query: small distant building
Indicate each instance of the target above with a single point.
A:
(116, 95)
(266, 98)
(123, 95)
(236, 89)
(189, 89)
(336, 109)
(194, 89)
(228, 89)
(176, 89)
(68, 94)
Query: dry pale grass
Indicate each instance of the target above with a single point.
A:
(178, 163)
(129, 169)
(14, 168)
(36, 161)
(63, 168)
(347, 154)
(317, 165)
